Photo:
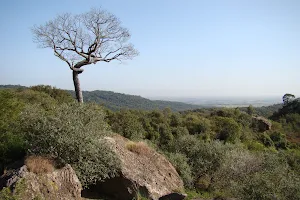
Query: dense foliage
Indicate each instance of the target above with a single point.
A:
(265, 111)
(38, 121)
(220, 152)
(217, 152)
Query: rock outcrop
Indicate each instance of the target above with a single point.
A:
(144, 172)
(61, 184)
(261, 123)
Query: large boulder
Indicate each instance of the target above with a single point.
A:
(144, 172)
(61, 184)
(261, 124)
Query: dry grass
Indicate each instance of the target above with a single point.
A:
(39, 164)
(138, 147)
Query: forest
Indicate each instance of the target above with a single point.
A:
(218, 152)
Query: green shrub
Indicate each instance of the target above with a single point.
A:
(151, 129)
(6, 194)
(279, 140)
(179, 131)
(196, 124)
(203, 182)
(250, 110)
(227, 129)
(10, 107)
(59, 95)
(237, 163)
(175, 120)
(165, 136)
(15, 193)
(266, 140)
(271, 180)
(12, 146)
(293, 159)
(203, 157)
(255, 146)
(244, 119)
(225, 112)
(35, 97)
(180, 162)
(72, 133)
(247, 135)
(127, 124)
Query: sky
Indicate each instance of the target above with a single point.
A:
(188, 48)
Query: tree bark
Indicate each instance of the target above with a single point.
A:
(78, 91)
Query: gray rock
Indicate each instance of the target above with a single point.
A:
(61, 184)
(261, 124)
(143, 172)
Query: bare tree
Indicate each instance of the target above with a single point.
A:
(84, 39)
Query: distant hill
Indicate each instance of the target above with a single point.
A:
(116, 101)
(11, 86)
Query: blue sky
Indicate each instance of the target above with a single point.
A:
(189, 48)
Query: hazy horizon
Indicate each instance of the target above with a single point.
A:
(187, 48)
(208, 100)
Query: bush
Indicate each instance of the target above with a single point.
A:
(59, 95)
(196, 124)
(126, 124)
(10, 107)
(203, 182)
(203, 157)
(71, 133)
(266, 140)
(34, 97)
(151, 129)
(263, 175)
(165, 136)
(273, 181)
(227, 129)
(180, 162)
(237, 163)
(175, 120)
(12, 146)
(179, 131)
(293, 159)
(255, 146)
(279, 140)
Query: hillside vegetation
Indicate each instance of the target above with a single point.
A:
(218, 152)
(117, 101)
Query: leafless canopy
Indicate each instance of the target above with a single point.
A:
(84, 39)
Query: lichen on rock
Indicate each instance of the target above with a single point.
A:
(61, 184)
(143, 172)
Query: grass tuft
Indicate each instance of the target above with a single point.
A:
(138, 147)
(39, 164)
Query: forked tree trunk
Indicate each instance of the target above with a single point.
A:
(78, 91)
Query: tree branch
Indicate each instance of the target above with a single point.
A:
(82, 39)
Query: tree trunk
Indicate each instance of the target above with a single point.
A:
(78, 91)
